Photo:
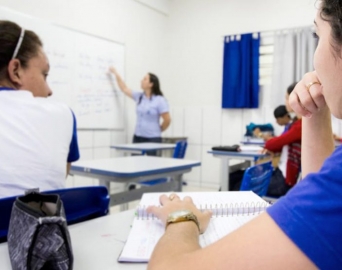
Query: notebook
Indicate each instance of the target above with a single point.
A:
(251, 148)
(230, 211)
(239, 148)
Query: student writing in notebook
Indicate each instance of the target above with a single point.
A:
(303, 229)
(151, 107)
(38, 139)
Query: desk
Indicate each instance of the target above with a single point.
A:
(135, 169)
(253, 141)
(226, 156)
(174, 139)
(141, 148)
(96, 243)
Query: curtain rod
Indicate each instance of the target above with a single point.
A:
(270, 31)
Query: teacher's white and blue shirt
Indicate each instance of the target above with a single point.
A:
(148, 114)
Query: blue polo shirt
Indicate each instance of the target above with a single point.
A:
(148, 114)
(311, 214)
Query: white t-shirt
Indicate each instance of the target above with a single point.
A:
(282, 165)
(35, 136)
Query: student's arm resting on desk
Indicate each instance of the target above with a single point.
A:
(317, 138)
(252, 246)
(122, 85)
(265, 136)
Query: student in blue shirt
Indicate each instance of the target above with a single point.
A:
(303, 229)
(151, 106)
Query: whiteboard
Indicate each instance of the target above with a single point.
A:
(78, 74)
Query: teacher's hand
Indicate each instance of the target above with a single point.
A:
(113, 70)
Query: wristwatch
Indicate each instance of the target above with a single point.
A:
(182, 215)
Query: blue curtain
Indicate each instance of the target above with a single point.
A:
(240, 87)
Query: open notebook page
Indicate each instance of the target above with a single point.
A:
(146, 230)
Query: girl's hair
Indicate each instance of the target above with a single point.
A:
(331, 11)
(156, 86)
(9, 37)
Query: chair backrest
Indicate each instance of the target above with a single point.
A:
(6, 209)
(80, 204)
(180, 149)
(257, 178)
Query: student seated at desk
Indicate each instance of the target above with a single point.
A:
(282, 114)
(288, 146)
(38, 136)
(282, 117)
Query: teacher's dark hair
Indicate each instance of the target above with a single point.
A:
(156, 86)
(331, 11)
(9, 36)
(291, 87)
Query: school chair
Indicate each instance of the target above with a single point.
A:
(80, 204)
(179, 152)
(257, 178)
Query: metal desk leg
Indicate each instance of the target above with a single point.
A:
(124, 206)
(224, 174)
(105, 183)
(179, 182)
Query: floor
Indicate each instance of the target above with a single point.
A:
(186, 188)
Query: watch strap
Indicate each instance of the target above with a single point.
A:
(187, 217)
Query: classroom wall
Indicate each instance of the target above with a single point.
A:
(182, 42)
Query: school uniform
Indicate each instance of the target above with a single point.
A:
(37, 139)
(310, 214)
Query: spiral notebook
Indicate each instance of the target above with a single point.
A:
(230, 211)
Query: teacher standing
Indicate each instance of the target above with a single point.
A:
(151, 106)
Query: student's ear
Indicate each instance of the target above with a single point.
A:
(14, 69)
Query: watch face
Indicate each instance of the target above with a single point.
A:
(180, 213)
